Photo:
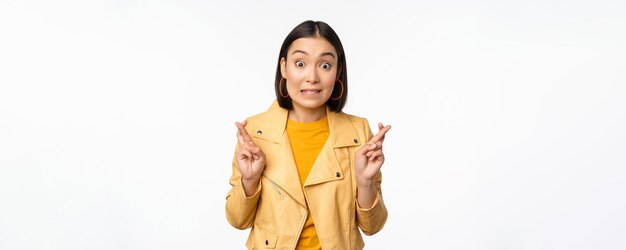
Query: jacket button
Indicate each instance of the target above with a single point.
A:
(338, 174)
(267, 242)
(259, 132)
(356, 141)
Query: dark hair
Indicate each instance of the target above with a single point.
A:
(313, 29)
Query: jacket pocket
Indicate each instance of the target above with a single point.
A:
(265, 238)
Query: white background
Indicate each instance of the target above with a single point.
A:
(117, 118)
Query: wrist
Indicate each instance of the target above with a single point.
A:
(365, 182)
(249, 186)
(250, 180)
(366, 193)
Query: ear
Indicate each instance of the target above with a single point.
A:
(283, 67)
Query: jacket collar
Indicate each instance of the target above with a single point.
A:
(272, 127)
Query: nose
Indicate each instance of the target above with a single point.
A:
(312, 76)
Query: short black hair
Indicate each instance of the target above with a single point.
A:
(311, 28)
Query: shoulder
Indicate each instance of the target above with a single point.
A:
(269, 120)
(253, 119)
(360, 124)
(355, 119)
(256, 118)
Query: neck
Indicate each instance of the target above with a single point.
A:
(301, 114)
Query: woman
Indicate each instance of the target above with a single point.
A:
(305, 174)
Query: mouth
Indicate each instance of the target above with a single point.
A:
(310, 91)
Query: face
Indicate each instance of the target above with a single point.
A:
(310, 70)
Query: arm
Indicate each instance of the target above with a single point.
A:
(371, 219)
(247, 167)
(371, 210)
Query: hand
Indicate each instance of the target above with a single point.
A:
(250, 158)
(370, 157)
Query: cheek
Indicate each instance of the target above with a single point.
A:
(294, 76)
(331, 75)
(294, 79)
(329, 80)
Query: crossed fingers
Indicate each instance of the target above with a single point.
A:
(375, 144)
(242, 135)
(249, 149)
(380, 136)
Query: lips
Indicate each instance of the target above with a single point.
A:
(310, 91)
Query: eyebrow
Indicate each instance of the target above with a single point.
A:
(323, 54)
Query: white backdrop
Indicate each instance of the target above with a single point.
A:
(117, 118)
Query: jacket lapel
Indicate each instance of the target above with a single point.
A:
(282, 169)
(342, 134)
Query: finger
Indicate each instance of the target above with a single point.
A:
(242, 131)
(260, 153)
(243, 154)
(257, 153)
(377, 155)
(381, 134)
(240, 138)
(371, 147)
(380, 127)
(366, 149)
(250, 146)
(244, 123)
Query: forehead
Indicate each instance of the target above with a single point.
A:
(313, 46)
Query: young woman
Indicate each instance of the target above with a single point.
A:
(305, 174)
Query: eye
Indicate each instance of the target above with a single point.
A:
(300, 63)
(325, 66)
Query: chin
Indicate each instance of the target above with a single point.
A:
(310, 104)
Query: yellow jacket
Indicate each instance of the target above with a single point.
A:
(278, 209)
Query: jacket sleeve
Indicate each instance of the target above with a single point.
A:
(240, 210)
(371, 220)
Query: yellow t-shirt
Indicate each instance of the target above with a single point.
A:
(307, 140)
